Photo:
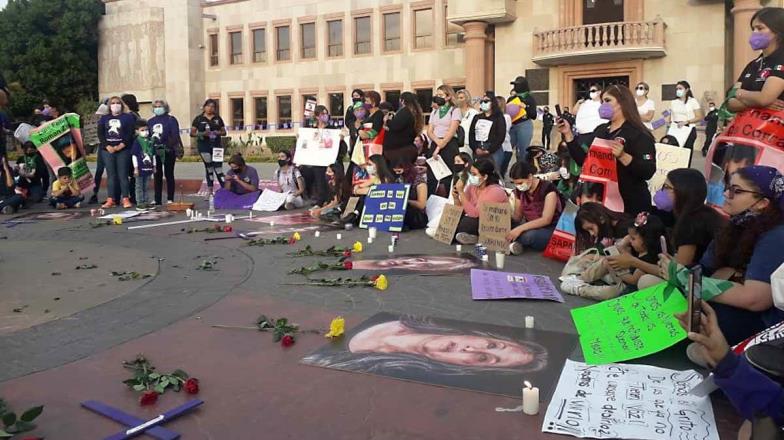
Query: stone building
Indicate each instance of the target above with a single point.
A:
(262, 59)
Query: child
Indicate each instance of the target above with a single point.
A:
(644, 239)
(10, 201)
(65, 191)
(33, 173)
(144, 163)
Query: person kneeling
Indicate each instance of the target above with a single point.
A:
(290, 181)
(65, 191)
(240, 189)
(537, 205)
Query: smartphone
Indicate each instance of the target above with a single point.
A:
(695, 298)
(558, 110)
(612, 251)
(663, 244)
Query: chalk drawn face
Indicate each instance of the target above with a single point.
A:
(114, 126)
(475, 351)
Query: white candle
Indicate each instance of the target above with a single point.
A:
(485, 257)
(272, 224)
(530, 399)
(250, 214)
(318, 234)
(529, 322)
(189, 212)
(459, 248)
(500, 257)
(370, 240)
(340, 236)
(391, 248)
(372, 232)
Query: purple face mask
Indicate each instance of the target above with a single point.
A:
(663, 201)
(606, 111)
(324, 118)
(759, 41)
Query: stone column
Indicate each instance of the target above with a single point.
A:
(475, 68)
(741, 52)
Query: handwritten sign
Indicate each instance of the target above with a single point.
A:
(681, 134)
(439, 167)
(490, 284)
(601, 168)
(561, 244)
(317, 147)
(447, 225)
(385, 207)
(630, 326)
(668, 158)
(270, 201)
(495, 221)
(629, 401)
(351, 206)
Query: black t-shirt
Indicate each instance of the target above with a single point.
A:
(548, 120)
(697, 229)
(756, 72)
(202, 124)
(401, 131)
(650, 258)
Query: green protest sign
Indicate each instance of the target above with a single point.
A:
(60, 143)
(630, 326)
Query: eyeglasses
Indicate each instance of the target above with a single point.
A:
(485, 101)
(640, 88)
(734, 190)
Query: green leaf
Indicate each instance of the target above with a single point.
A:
(180, 374)
(154, 375)
(139, 387)
(32, 413)
(9, 419)
(21, 426)
(159, 389)
(164, 383)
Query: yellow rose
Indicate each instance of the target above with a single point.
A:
(357, 246)
(117, 220)
(336, 327)
(296, 236)
(381, 283)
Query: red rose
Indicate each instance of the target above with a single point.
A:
(347, 253)
(227, 229)
(287, 341)
(148, 398)
(347, 265)
(292, 240)
(191, 386)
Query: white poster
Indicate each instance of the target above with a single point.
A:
(482, 129)
(217, 154)
(680, 133)
(269, 201)
(668, 158)
(629, 401)
(439, 167)
(123, 215)
(317, 147)
(433, 208)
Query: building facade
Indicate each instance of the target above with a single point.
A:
(263, 59)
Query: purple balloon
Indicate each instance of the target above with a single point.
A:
(512, 109)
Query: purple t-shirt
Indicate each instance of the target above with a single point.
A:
(441, 126)
(248, 175)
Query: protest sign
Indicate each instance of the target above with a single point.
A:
(561, 245)
(438, 167)
(630, 326)
(433, 208)
(217, 154)
(351, 206)
(490, 284)
(668, 158)
(681, 134)
(90, 130)
(269, 201)
(317, 147)
(600, 170)
(772, 333)
(60, 143)
(310, 107)
(629, 401)
(495, 221)
(385, 207)
(447, 225)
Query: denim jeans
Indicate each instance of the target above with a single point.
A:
(118, 166)
(498, 158)
(142, 192)
(521, 134)
(536, 239)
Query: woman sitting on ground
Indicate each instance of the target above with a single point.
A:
(483, 187)
(290, 181)
(335, 190)
(598, 226)
(537, 206)
(376, 171)
(406, 172)
(241, 186)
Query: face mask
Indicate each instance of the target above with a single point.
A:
(606, 111)
(518, 88)
(371, 170)
(712, 108)
(159, 111)
(485, 106)
(282, 162)
(368, 106)
(116, 108)
(759, 41)
(474, 180)
(323, 118)
(439, 101)
(360, 113)
(663, 201)
(640, 92)
(523, 187)
(594, 95)
(457, 167)
(680, 93)
(564, 173)
(356, 100)
(744, 217)
(144, 133)
(401, 104)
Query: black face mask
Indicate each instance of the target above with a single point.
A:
(519, 88)
(439, 101)
(282, 163)
(457, 168)
(356, 100)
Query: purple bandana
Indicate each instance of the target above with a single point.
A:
(769, 181)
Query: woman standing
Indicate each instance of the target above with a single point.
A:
(483, 187)
(686, 111)
(466, 105)
(487, 132)
(632, 145)
(442, 132)
(316, 176)
(406, 125)
(165, 132)
(115, 134)
(521, 106)
(208, 128)
(352, 119)
(507, 145)
(645, 106)
(372, 125)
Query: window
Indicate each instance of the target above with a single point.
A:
(362, 44)
(308, 122)
(308, 31)
(284, 112)
(393, 97)
(455, 34)
(259, 45)
(261, 112)
(282, 45)
(335, 38)
(425, 97)
(539, 83)
(336, 109)
(237, 113)
(392, 31)
(213, 49)
(423, 29)
(235, 40)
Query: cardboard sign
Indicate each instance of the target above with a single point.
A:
(668, 158)
(317, 147)
(439, 167)
(630, 326)
(681, 134)
(270, 201)
(217, 154)
(385, 207)
(490, 284)
(447, 225)
(495, 221)
(629, 401)
(561, 245)
(351, 206)
(60, 143)
(600, 168)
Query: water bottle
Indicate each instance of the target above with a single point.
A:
(211, 210)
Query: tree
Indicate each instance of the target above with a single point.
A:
(49, 50)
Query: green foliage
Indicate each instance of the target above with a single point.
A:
(11, 424)
(281, 143)
(49, 50)
(146, 378)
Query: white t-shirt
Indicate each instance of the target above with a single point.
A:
(468, 117)
(682, 112)
(646, 107)
(588, 117)
(507, 145)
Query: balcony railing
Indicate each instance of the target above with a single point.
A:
(603, 42)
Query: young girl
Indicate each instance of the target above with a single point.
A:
(208, 128)
(332, 209)
(644, 241)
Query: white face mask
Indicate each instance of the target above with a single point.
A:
(485, 106)
(523, 187)
(680, 93)
(474, 180)
(564, 173)
(640, 92)
(594, 95)
(712, 108)
(116, 108)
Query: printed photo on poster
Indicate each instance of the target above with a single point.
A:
(317, 146)
(430, 264)
(60, 143)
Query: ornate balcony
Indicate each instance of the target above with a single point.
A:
(600, 43)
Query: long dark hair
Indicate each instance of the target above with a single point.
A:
(735, 243)
(690, 193)
(337, 189)
(411, 102)
(686, 85)
(773, 18)
(650, 231)
(486, 167)
(628, 107)
(600, 216)
(382, 169)
(409, 170)
(495, 109)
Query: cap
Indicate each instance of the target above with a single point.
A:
(518, 80)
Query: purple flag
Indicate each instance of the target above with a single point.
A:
(489, 284)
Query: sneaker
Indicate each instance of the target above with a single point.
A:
(694, 353)
(289, 206)
(169, 202)
(767, 357)
(466, 238)
(152, 203)
(600, 293)
(109, 203)
(141, 207)
(515, 248)
(430, 232)
(93, 200)
(570, 284)
(126, 203)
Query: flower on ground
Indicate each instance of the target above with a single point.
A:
(347, 253)
(149, 397)
(336, 327)
(191, 386)
(296, 236)
(381, 283)
(347, 265)
(227, 229)
(287, 340)
(357, 246)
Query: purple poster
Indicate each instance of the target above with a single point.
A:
(490, 284)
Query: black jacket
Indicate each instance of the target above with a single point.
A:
(401, 131)
(495, 138)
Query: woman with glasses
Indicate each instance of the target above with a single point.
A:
(645, 106)
(587, 115)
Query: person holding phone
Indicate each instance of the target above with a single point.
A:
(208, 128)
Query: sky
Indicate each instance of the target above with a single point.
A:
(3, 3)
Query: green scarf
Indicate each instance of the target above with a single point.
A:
(679, 278)
(443, 110)
(146, 145)
(523, 95)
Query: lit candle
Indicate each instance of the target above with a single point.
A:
(530, 399)
(391, 248)
(499, 260)
(485, 257)
(250, 214)
(340, 236)
(318, 234)
(372, 232)
(370, 240)
(459, 248)
(189, 212)
(272, 224)
(529, 322)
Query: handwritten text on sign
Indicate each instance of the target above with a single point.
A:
(490, 284)
(495, 220)
(629, 401)
(447, 225)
